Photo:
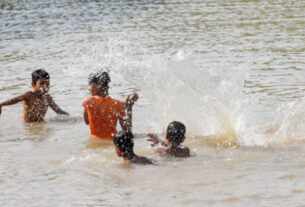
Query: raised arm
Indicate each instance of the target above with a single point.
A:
(54, 106)
(15, 100)
(155, 140)
(127, 123)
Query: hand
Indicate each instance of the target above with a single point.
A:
(131, 99)
(153, 138)
(65, 113)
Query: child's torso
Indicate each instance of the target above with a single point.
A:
(35, 108)
(103, 113)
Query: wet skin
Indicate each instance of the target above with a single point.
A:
(134, 158)
(97, 90)
(179, 151)
(36, 102)
(171, 149)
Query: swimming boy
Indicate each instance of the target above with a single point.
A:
(175, 135)
(36, 102)
(123, 142)
(102, 112)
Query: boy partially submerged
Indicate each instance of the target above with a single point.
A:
(36, 102)
(102, 112)
(123, 142)
(175, 135)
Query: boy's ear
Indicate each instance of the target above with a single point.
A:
(166, 137)
(33, 84)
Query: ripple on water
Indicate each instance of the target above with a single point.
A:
(248, 54)
(230, 199)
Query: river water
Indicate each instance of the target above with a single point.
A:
(232, 71)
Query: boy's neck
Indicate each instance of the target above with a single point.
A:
(174, 146)
(103, 93)
(130, 156)
(40, 93)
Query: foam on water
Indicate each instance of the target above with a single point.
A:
(209, 98)
(232, 71)
(211, 101)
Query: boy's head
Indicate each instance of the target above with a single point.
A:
(175, 132)
(98, 82)
(41, 80)
(100, 78)
(124, 143)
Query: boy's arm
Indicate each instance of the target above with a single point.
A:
(86, 119)
(15, 100)
(155, 140)
(54, 106)
(85, 113)
(162, 152)
(127, 123)
(143, 160)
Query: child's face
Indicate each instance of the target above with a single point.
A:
(42, 85)
(94, 88)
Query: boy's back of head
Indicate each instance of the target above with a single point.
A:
(40, 74)
(124, 141)
(176, 132)
(98, 77)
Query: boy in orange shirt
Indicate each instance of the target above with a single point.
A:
(36, 102)
(102, 112)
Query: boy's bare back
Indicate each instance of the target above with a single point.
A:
(174, 152)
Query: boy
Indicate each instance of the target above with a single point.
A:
(102, 112)
(124, 148)
(36, 102)
(175, 135)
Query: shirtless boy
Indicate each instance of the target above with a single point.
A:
(123, 142)
(175, 135)
(102, 112)
(36, 102)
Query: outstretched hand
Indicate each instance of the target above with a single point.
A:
(131, 99)
(153, 138)
(65, 113)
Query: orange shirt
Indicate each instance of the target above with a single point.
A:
(103, 114)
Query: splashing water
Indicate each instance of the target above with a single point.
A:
(231, 70)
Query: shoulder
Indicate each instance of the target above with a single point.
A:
(143, 160)
(116, 102)
(185, 148)
(88, 100)
(49, 98)
(28, 94)
(181, 151)
(184, 151)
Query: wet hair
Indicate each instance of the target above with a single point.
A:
(98, 77)
(124, 141)
(40, 74)
(176, 132)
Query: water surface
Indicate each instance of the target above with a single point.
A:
(232, 71)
